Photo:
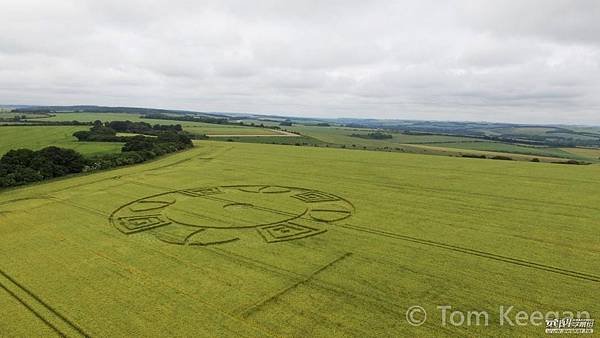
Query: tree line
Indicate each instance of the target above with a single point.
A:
(107, 132)
(373, 136)
(211, 120)
(139, 149)
(24, 166)
(203, 119)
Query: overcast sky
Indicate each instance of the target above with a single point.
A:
(513, 61)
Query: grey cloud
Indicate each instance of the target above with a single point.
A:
(561, 20)
(522, 61)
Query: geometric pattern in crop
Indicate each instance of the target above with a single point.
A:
(287, 231)
(134, 224)
(315, 197)
(225, 214)
(202, 191)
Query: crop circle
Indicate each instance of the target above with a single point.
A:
(278, 213)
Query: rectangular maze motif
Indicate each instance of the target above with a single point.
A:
(140, 223)
(286, 232)
(316, 196)
(202, 191)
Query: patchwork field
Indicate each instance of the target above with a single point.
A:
(440, 144)
(37, 137)
(441, 149)
(7, 113)
(337, 136)
(89, 117)
(341, 135)
(192, 127)
(216, 129)
(234, 239)
(511, 148)
(584, 152)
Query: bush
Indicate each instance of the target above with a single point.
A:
(373, 136)
(138, 143)
(473, 156)
(573, 162)
(503, 158)
(107, 132)
(24, 166)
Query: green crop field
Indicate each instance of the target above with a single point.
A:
(192, 127)
(6, 113)
(510, 148)
(584, 152)
(37, 137)
(89, 117)
(341, 135)
(217, 129)
(441, 149)
(419, 144)
(239, 239)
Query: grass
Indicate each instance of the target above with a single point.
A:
(457, 152)
(289, 140)
(89, 117)
(587, 129)
(37, 137)
(216, 129)
(341, 135)
(550, 132)
(590, 153)
(436, 144)
(8, 114)
(524, 130)
(422, 231)
(510, 148)
(192, 127)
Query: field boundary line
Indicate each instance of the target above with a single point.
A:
(416, 188)
(35, 313)
(36, 305)
(506, 259)
(79, 206)
(296, 276)
(253, 308)
(168, 165)
(158, 281)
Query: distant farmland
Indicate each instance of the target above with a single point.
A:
(37, 137)
(234, 239)
(336, 136)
